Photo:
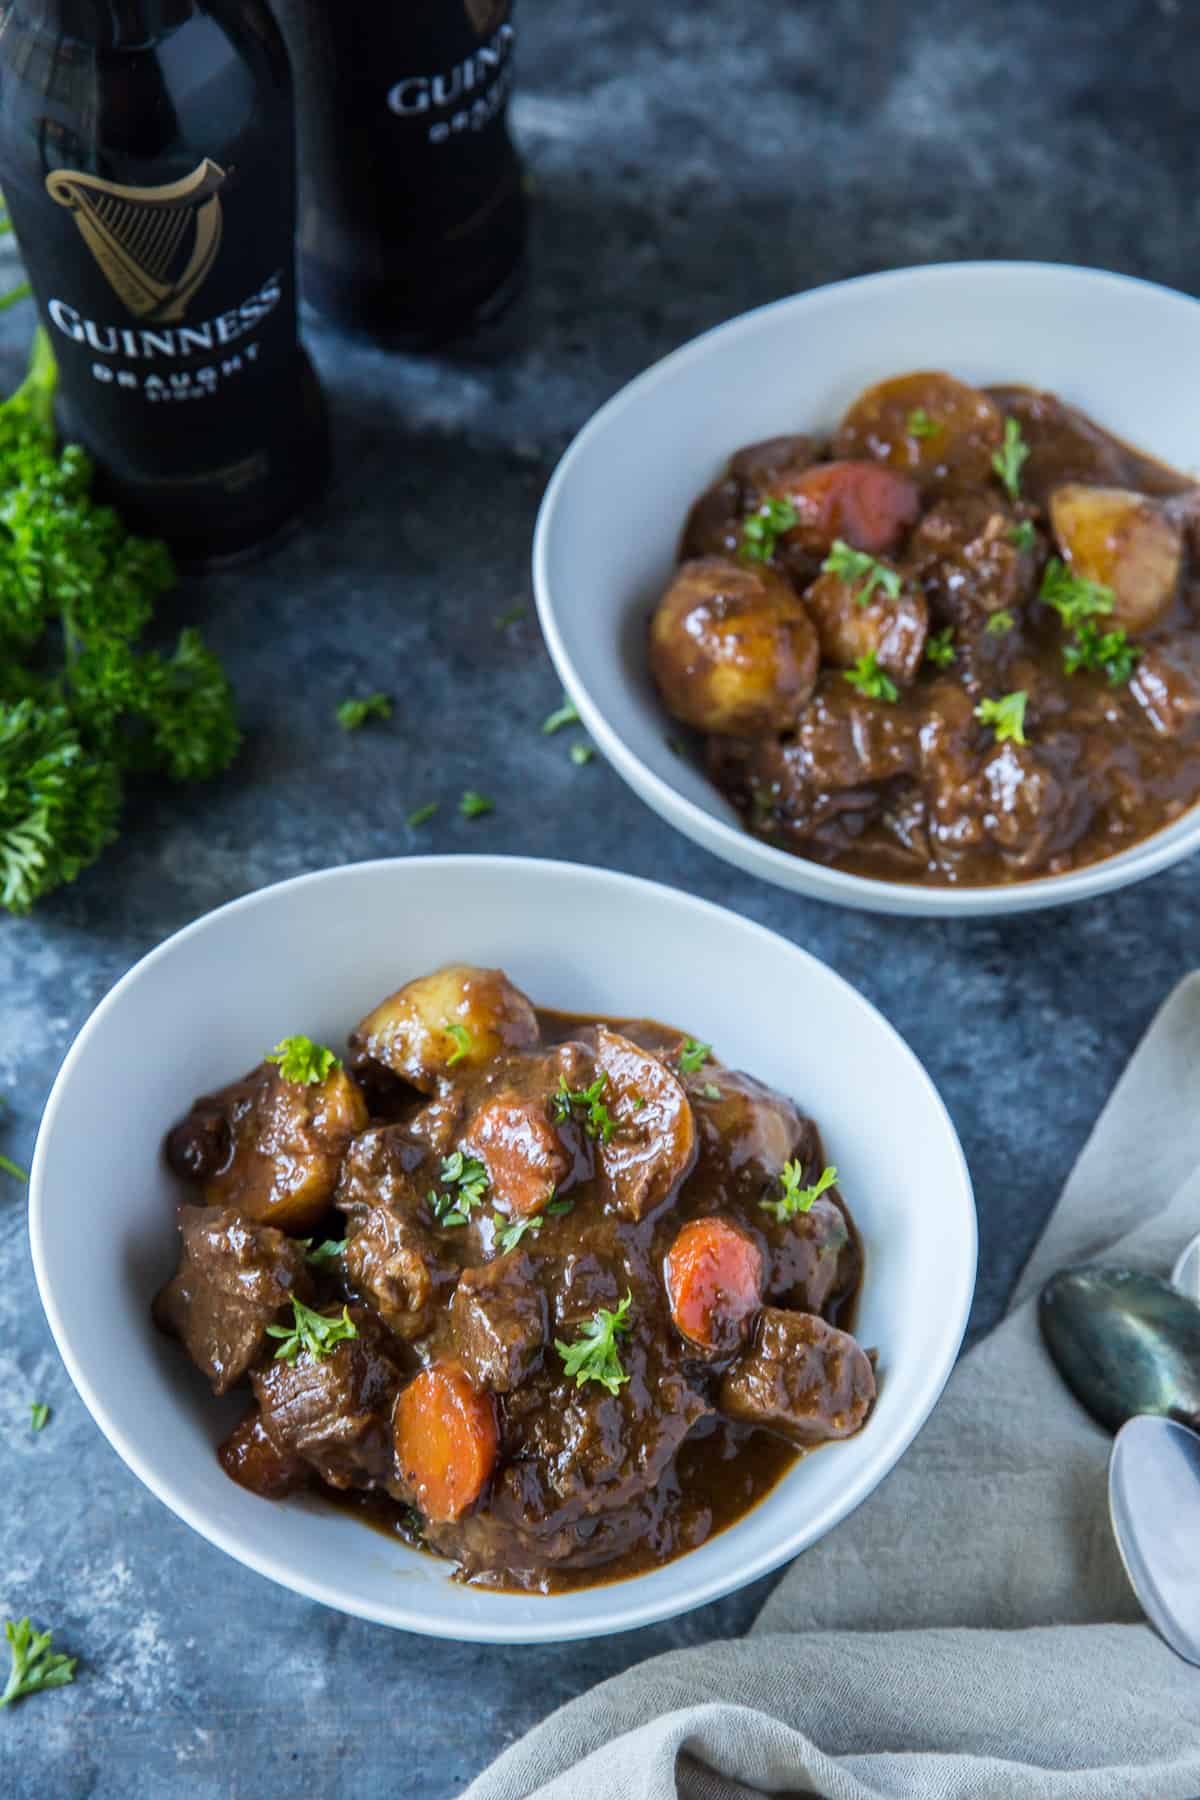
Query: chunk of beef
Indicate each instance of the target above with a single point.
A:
(803, 1379)
(971, 567)
(1166, 685)
(652, 1145)
(747, 1131)
(283, 1144)
(498, 1318)
(812, 1258)
(334, 1412)
(250, 1458)
(386, 1167)
(514, 1137)
(234, 1278)
(394, 1262)
(714, 525)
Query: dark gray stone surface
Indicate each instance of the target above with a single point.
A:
(689, 162)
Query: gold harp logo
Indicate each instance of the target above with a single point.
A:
(486, 15)
(154, 245)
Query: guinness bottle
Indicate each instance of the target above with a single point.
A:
(147, 161)
(412, 215)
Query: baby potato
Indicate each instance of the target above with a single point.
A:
(927, 424)
(457, 1018)
(286, 1141)
(733, 649)
(868, 506)
(1124, 541)
(893, 631)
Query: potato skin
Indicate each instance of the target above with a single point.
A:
(409, 1032)
(286, 1141)
(969, 427)
(893, 631)
(732, 649)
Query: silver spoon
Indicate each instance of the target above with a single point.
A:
(1124, 1342)
(1154, 1504)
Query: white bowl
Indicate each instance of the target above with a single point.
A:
(1125, 351)
(312, 955)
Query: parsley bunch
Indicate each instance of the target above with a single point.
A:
(82, 708)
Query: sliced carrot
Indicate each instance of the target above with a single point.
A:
(444, 1432)
(714, 1279)
(866, 503)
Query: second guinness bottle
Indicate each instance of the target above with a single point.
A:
(147, 161)
(412, 215)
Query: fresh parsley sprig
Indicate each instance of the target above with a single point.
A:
(584, 1105)
(509, 1232)
(764, 527)
(1073, 597)
(319, 1256)
(1000, 623)
(919, 424)
(693, 1056)
(34, 1664)
(1006, 716)
(1080, 603)
(351, 714)
(463, 1041)
(316, 1333)
(301, 1060)
(1010, 459)
(39, 1415)
(466, 1181)
(856, 567)
(939, 648)
(562, 716)
(594, 1356)
(870, 680)
(793, 1197)
(474, 805)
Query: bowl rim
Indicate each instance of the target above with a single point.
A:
(627, 1613)
(820, 881)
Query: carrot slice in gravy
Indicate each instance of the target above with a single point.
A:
(714, 1282)
(444, 1431)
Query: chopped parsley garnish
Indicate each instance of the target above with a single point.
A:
(1073, 598)
(939, 648)
(870, 680)
(581, 754)
(466, 1181)
(353, 713)
(585, 1106)
(855, 566)
(693, 1056)
(34, 1665)
(302, 1061)
(563, 715)
(594, 1354)
(421, 815)
(1006, 716)
(709, 1091)
(474, 805)
(560, 1208)
(503, 620)
(1023, 534)
(920, 425)
(312, 1331)
(462, 1041)
(1009, 460)
(1110, 653)
(793, 1196)
(1079, 603)
(14, 1169)
(763, 528)
(1000, 624)
(39, 1415)
(321, 1255)
(510, 1232)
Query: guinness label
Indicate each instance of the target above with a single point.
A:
(155, 245)
(486, 15)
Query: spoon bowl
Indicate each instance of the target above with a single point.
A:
(1154, 1503)
(1125, 1343)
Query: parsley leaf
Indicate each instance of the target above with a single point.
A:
(34, 1665)
(1009, 460)
(1000, 624)
(764, 527)
(920, 425)
(469, 1177)
(1006, 716)
(320, 1256)
(563, 715)
(510, 1232)
(9, 1167)
(300, 1060)
(709, 1091)
(1108, 652)
(794, 1197)
(594, 1354)
(39, 1415)
(1023, 534)
(581, 754)
(693, 1056)
(463, 1043)
(1073, 598)
(870, 680)
(473, 805)
(566, 1104)
(939, 648)
(314, 1332)
(853, 566)
(560, 1207)
(353, 713)
(421, 815)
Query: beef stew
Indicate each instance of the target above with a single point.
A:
(574, 1296)
(957, 644)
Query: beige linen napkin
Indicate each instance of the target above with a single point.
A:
(969, 1632)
